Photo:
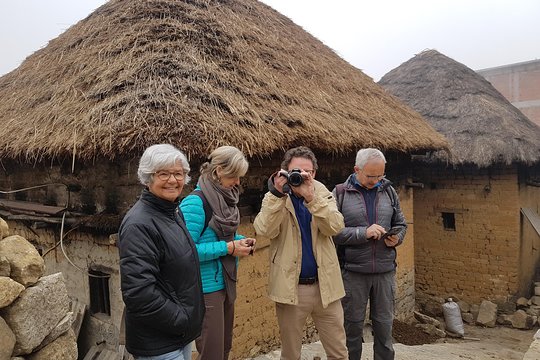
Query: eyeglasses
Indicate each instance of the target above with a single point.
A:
(374, 177)
(166, 175)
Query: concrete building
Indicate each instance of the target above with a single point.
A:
(520, 84)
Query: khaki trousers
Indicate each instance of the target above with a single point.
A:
(328, 322)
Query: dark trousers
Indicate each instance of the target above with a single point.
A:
(379, 289)
(216, 337)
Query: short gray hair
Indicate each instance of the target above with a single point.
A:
(161, 156)
(363, 156)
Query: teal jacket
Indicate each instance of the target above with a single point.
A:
(209, 247)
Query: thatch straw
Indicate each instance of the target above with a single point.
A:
(197, 74)
(483, 128)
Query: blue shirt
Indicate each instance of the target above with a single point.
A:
(369, 196)
(309, 264)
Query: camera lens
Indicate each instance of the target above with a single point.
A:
(295, 178)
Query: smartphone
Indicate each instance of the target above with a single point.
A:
(250, 242)
(392, 231)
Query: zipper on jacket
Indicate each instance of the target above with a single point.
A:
(373, 242)
(375, 205)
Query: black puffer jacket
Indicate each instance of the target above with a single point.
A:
(356, 253)
(160, 279)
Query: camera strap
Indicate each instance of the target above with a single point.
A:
(272, 188)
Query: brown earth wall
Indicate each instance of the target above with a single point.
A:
(480, 258)
(529, 198)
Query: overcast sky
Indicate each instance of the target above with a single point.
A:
(374, 36)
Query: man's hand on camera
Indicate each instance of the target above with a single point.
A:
(280, 180)
(306, 189)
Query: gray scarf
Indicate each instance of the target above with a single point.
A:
(225, 220)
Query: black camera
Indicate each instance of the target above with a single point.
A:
(294, 177)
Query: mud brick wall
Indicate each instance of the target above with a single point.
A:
(255, 324)
(405, 289)
(529, 193)
(479, 259)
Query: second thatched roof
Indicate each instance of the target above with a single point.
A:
(482, 127)
(197, 74)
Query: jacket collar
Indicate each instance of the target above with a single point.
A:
(352, 183)
(163, 205)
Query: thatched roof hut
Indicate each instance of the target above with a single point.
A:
(198, 74)
(482, 127)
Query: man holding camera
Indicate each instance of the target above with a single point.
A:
(300, 216)
(374, 226)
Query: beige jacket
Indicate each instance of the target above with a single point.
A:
(277, 221)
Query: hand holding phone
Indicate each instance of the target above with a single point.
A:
(251, 243)
(392, 231)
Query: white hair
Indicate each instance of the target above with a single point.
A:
(363, 156)
(161, 156)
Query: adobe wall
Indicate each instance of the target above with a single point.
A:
(529, 199)
(480, 259)
(405, 275)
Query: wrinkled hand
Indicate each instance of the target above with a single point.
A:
(375, 232)
(391, 240)
(306, 189)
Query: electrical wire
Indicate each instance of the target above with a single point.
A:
(37, 187)
(67, 257)
(30, 188)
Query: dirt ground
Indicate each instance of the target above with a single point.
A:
(499, 343)
(479, 342)
(502, 336)
(409, 335)
(499, 340)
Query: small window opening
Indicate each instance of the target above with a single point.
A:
(100, 301)
(449, 221)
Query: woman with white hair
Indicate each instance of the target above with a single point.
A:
(212, 218)
(159, 265)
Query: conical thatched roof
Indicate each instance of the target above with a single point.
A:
(198, 74)
(482, 127)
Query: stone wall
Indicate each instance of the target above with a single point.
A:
(35, 321)
(86, 252)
